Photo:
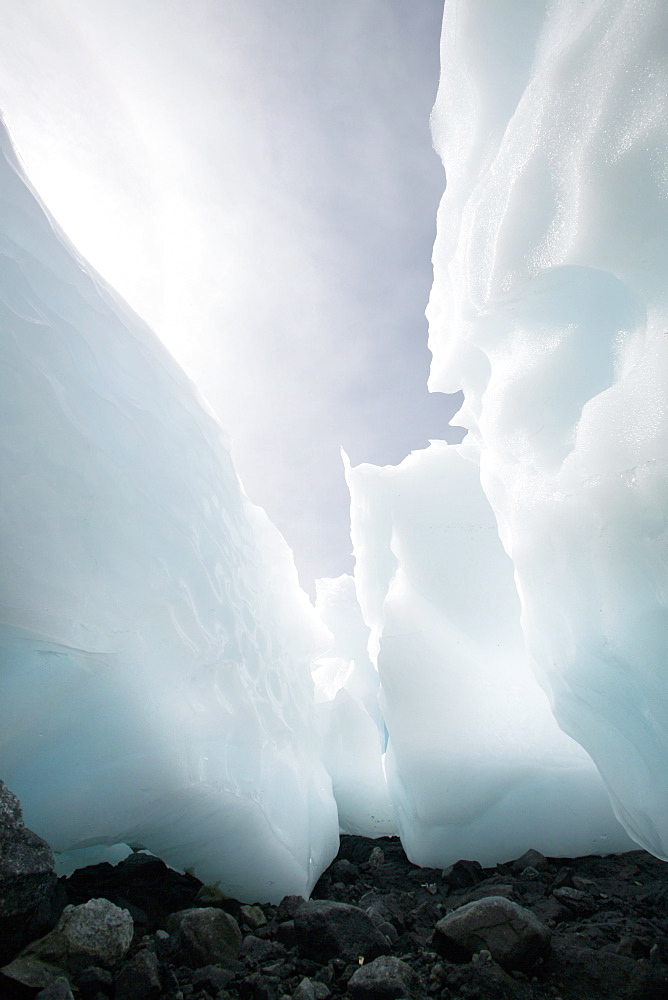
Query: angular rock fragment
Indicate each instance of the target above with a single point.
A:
(28, 886)
(311, 989)
(139, 979)
(462, 874)
(385, 978)
(327, 930)
(58, 990)
(95, 933)
(208, 936)
(514, 937)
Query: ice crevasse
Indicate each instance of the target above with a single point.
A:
(521, 577)
(494, 676)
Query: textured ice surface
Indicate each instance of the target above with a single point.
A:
(350, 722)
(550, 310)
(155, 681)
(476, 764)
(156, 648)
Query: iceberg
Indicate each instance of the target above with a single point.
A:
(156, 647)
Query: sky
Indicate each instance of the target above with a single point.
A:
(256, 178)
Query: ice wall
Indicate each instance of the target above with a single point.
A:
(350, 723)
(550, 310)
(155, 668)
(476, 764)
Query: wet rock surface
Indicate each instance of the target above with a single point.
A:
(30, 897)
(596, 927)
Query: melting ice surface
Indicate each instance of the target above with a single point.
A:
(157, 650)
(156, 647)
(550, 310)
(539, 547)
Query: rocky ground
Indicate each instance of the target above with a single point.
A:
(376, 928)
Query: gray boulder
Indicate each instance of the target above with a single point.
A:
(30, 900)
(58, 990)
(514, 937)
(386, 978)
(207, 936)
(325, 930)
(94, 933)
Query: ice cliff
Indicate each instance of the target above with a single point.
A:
(156, 647)
(537, 550)
(157, 650)
(550, 310)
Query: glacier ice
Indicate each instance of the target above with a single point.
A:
(537, 550)
(156, 647)
(156, 681)
(476, 764)
(351, 725)
(550, 309)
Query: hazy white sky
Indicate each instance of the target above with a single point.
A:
(256, 178)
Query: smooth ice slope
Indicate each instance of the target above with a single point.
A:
(550, 310)
(155, 682)
(350, 722)
(476, 764)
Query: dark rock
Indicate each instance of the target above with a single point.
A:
(485, 891)
(484, 980)
(609, 940)
(260, 986)
(530, 859)
(212, 978)
(344, 871)
(285, 933)
(208, 936)
(387, 906)
(551, 909)
(388, 930)
(30, 900)
(95, 933)
(514, 937)
(587, 973)
(575, 899)
(252, 916)
(327, 930)
(385, 978)
(26, 976)
(462, 874)
(288, 906)
(92, 981)
(311, 989)
(255, 949)
(569, 895)
(142, 882)
(58, 990)
(139, 979)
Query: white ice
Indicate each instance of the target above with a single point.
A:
(157, 652)
(156, 647)
(477, 766)
(550, 310)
